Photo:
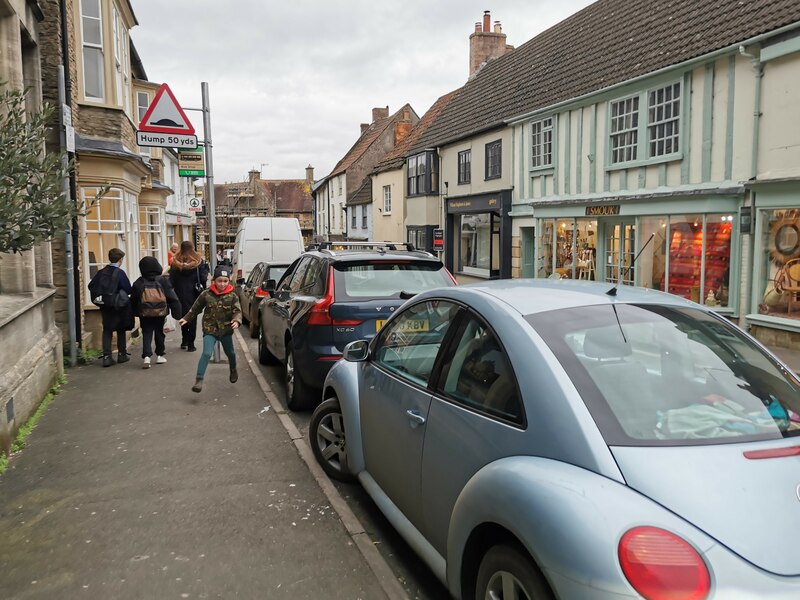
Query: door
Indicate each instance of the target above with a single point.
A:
(528, 253)
(395, 400)
(619, 251)
(276, 314)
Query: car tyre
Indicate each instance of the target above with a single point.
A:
(265, 357)
(298, 395)
(255, 328)
(328, 441)
(505, 568)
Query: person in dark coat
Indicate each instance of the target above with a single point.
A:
(115, 320)
(153, 326)
(188, 274)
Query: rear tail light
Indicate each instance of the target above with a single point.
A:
(661, 566)
(262, 293)
(320, 313)
(238, 273)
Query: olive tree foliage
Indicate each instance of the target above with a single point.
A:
(33, 207)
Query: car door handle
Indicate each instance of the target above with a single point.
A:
(415, 418)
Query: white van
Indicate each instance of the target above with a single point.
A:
(265, 239)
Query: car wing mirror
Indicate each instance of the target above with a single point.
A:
(357, 351)
(269, 286)
(240, 281)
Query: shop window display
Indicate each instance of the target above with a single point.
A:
(545, 259)
(574, 253)
(699, 258)
(479, 241)
(652, 263)
(781, 254)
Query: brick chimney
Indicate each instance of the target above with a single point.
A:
(485, 44)
(380, 113)
(310, 174)
(253, 175)
(364, 127)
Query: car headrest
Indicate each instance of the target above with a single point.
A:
(605, 343)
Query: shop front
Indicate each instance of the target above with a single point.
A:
(478, 236)
(774, 312)
(689, 245)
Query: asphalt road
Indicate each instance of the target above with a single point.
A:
(415, 576)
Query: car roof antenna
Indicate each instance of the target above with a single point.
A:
(613, 290)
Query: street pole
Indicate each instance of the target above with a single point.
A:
(212, 210)
(68, 249)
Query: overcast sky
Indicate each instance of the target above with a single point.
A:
(290, 82)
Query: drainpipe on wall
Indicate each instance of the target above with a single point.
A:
(758, 70)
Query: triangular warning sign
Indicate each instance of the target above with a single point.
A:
(165, 115)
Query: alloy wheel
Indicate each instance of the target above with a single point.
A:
(289, 373)
(331, 440)
(505, 586)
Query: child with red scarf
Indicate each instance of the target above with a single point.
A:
(222, 314)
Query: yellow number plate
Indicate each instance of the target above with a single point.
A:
(411, 326)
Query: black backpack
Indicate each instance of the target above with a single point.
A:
(103, 288)
(154, 300)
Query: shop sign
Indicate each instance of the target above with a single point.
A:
(195, 205)
(459, 205)
(438, 239)
(191, 163)
(602, 211)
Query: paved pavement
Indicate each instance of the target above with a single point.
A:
(132, 486)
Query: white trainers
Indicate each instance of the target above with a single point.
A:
(160, 360)
(146, 362)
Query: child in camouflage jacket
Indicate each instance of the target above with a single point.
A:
(222, 314)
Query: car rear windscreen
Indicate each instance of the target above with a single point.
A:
(388, 279)
(666, 375)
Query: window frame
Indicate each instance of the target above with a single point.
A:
(644, 125)
(538, 148)
(353, 217)
(465, 166)
(387, 200)
(100, 227)
(363, 216)
(140, 112)
(422, 173)
(98, 46)
(489, 148)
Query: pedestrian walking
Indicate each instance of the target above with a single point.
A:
(110, 290)
(188, 274)
(221, 315)
(152, 300)
(173, 250)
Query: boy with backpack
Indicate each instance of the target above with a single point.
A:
(109, 290)
(152, 299)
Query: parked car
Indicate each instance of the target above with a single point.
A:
(253, 290)
(549, 439)
(270, 239)
(330, 297)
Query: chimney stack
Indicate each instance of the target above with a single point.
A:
(253, 175)
(364, 127)
(380, 113)
(310, 174)
(485, 44)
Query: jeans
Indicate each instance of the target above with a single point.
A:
(208, 349)
(152, 326)
(108, 338)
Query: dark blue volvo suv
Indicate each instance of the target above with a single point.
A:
(332, 295)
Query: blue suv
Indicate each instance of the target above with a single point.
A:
(332, 295)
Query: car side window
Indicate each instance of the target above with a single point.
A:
(296, 283)
(255, 277)
(314, 282)
(408, 346)
(479, 374)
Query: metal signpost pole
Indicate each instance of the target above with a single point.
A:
(212, 211)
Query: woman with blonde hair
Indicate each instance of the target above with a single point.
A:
(188, 274)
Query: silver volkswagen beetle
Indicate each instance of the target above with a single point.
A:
(557, 439)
